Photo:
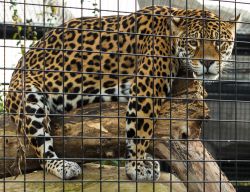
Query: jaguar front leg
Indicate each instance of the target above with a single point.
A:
(139, 127)
(143, 109)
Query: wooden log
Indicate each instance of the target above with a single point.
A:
(194, 165)
(98, 131)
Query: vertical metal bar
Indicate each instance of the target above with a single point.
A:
(44, 61)
(100, 100)
(154, 76)
(220, 92)
(170, 96)
(81, 92)
(63, 93)
(236, 98)
(187, 37)
(203, 55)
(4, 89)
(118, 96)
(154, 95)
(135, 76)
(136, 160)
(24, 59)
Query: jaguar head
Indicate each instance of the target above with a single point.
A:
(204, 43)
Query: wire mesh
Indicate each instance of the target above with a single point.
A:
(102, 85)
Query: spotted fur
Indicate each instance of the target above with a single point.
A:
(129, 58)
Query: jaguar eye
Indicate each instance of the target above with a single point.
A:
(193, 43)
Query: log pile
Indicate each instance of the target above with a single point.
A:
(95, 132)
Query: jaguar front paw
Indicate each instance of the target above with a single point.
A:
(64, 169)
(143, 170)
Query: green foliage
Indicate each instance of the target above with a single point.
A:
(50, 12)
(95, 7)
(30, 32)
(96, 10)
(16, 19)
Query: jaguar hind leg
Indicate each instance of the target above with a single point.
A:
(37, 129)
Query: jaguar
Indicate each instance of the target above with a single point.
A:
(127, 58)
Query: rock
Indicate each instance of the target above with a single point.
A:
(94, 179)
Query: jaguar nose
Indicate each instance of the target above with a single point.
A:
(207, 63)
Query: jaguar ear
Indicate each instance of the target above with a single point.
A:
(176, 25)
(234, 23)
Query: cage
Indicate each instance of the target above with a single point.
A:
(112, 95)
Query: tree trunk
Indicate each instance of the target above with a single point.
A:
(91, 134)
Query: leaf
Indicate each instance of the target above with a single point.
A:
(18, 42)
(22, 49)
(28, 20)
(14, 17)
(19, 28)
(15, 36)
